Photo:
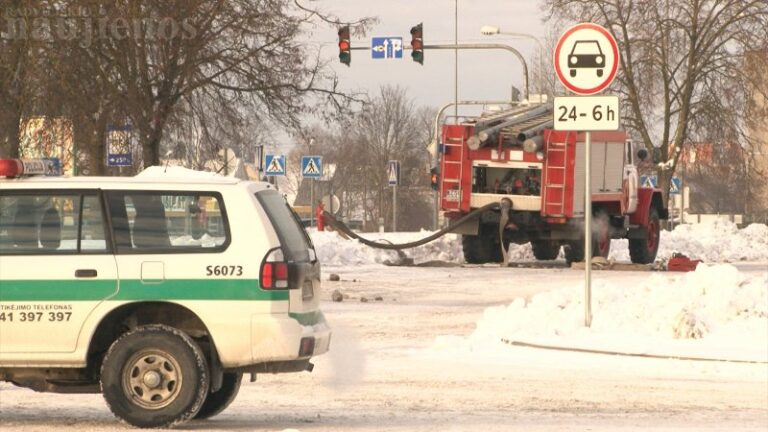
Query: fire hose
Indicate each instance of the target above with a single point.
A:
(332, 221)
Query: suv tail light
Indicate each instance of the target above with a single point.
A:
(274, 271)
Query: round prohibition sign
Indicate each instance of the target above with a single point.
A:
(586, 58)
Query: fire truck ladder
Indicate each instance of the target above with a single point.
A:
(556, 171)
(515, 125)
(457, 143)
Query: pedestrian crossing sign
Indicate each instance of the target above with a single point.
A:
(275, 165)
(312, 166)
(393, 173)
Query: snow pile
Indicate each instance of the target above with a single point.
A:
(332, 249)
(714, 312)
(719, 241)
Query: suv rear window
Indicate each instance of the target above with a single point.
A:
(293, 238)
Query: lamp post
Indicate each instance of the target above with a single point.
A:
(491, 30)
(488, 30)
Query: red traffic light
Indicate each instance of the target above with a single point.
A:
(345, 53)
(417, 43)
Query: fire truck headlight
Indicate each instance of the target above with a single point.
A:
(540, 155)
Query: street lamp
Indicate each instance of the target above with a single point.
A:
(488, 30)
(492, 30)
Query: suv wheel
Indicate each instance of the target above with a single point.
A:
(154, 376)
(219, 400)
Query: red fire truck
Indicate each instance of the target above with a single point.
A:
(514, 156)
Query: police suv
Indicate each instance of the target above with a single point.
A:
(158, 291)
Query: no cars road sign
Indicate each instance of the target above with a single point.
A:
(586, 59)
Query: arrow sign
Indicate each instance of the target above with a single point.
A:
(312, 166)
(275, 165)
(386, 47)
(393, 173)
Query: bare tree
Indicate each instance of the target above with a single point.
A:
(228, 46)
(18, 51)
(681, 67)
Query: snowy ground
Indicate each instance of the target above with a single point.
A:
(423, 350)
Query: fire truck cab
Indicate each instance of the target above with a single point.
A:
(515, 156)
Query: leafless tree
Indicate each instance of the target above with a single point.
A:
(389, 127)
(681, 75)
(240, 47)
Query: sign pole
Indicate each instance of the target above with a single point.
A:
(312, 202)
(588, 232)
(394, 208)
(586, 60)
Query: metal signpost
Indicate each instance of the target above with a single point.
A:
(586, 60)
(393, 175)
(312, 168)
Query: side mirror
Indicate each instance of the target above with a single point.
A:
(642, 154)
(656, 155)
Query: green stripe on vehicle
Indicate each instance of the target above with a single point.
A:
(308, 318)
(169, 289)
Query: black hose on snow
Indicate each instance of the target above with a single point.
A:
(330, 220)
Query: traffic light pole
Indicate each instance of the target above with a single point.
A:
(474, 46)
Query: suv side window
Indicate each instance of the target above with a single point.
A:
(40, 223)
(172, 222)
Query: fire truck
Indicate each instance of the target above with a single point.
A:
(514, 157)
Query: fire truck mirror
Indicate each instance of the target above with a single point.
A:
(656, 155)
(642, 154)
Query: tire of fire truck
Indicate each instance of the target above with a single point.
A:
(643, 251)
(545, 250)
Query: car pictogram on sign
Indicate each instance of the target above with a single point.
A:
(586, 54)
(586, 59)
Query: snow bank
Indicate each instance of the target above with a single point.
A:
(719, 241)
(715, 312)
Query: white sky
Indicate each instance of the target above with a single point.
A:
(482, 74)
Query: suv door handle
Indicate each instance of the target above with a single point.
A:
(86, 273)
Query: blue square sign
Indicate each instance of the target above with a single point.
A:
(386, 47)
(275, 165)
(312, 166)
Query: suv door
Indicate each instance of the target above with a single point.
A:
(56, 266)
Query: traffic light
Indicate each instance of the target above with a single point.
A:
(434, 178)
(417, 44)
(345, 55)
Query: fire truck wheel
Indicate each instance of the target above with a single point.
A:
(574, 251)
(643, 251)
(545, 250)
